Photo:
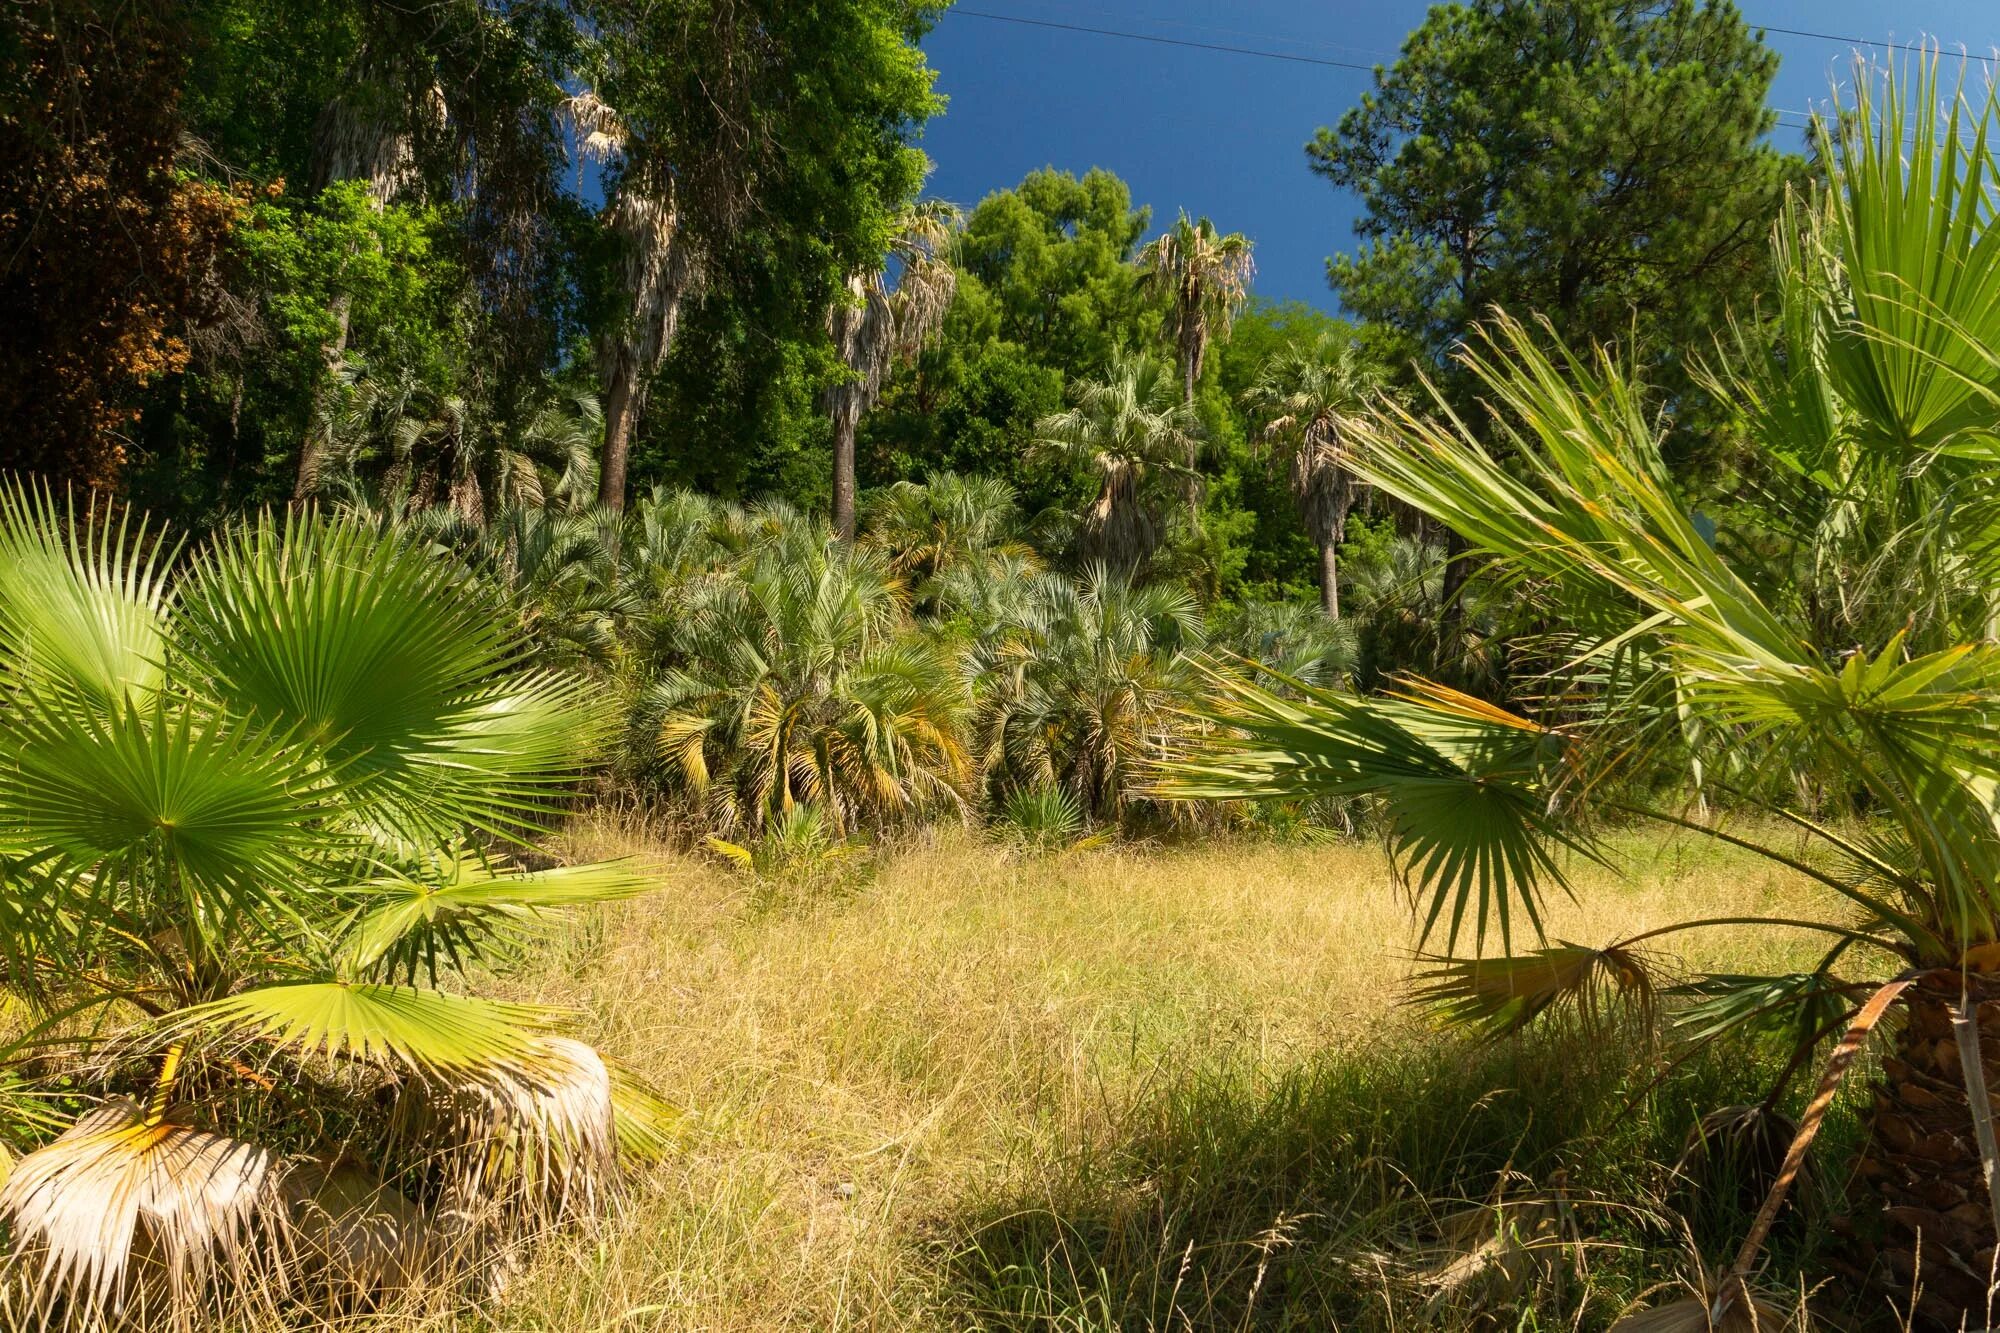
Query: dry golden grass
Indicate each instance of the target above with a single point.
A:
(863, 1071)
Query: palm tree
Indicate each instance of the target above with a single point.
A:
(658, 269)
(398, 445)
(947, 527)
(1308, 396)
(1130, 427)
(876, 323)
(1291, 640)
(1688, 642)
(1083, 683)
(1205, 278)
(793, 677)
(257, 807)
(556, 571)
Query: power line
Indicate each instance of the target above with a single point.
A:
(1863, 41)
(1345, 64)
(1804, 119)
(1162, 41)
(1288, 39)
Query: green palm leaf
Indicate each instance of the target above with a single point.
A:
(1497, 996)
(391, 662)
(1466, 788)
(151, 799)
(80, 608)
(461, 902)
(428, 1032)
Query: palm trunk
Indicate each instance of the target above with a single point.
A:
(1935, 1233)
(312, 448)
(1329, 585)
(628, 364)
(621, 414)
(846, 425)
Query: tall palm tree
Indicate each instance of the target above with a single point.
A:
(878, 322)
(1308, 397)
(1885, 394)
(257, 810)
(658, 269)
(1205, 277)
(1133, 430)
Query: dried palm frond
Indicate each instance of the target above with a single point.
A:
(1737, 1149)
(126, 1212)
(1498, 1251)
(533, 1144)
(351, 1234)
(1703, 1310)
(599, 129)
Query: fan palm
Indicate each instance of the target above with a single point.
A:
(1291, 639)
(792, 677)
(558, 572)
(1205, 277)
(397, 445)
(876, 323)
(1083, 684)
(934, 529)
(1129, 427)
(1308, 396)
(1890, 383)
(255, 810)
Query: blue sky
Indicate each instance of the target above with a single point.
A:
(1223, 134)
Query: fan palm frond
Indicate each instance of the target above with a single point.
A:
(126, 1210)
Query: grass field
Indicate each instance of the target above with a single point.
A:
(1116, 1089)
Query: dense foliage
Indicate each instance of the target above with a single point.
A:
(564, 400)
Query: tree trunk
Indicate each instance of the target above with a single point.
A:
(312, 449)
(626, 369)
(1934, 1229)
(1451, 610)
(621, 415)
(1329, 584)
(846, 425)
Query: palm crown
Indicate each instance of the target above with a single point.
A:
(1205, 277)
(1308, 397)
(1130, 427)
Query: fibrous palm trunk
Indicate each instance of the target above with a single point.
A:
(1118, 530)
(846, 425)
(312, 448)
(1934, 1240)
(658, 271)
(1325, 492)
